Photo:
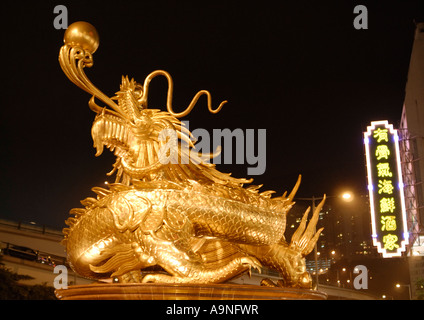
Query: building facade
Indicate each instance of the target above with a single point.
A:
(412, 142)
(412, 156)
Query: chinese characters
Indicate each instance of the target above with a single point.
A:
(384, 185)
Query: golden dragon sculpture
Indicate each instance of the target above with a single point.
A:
(175, 221)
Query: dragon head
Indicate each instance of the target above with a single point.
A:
(135, 133)
(128, 127)
(131, 131)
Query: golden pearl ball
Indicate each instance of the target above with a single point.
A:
(82, 34)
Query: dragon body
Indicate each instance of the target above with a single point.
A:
(148, 224)
(170, 216)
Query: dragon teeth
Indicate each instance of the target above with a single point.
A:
(113, 133)
(118, 132)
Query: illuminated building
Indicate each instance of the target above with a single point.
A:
(347, 230)
(346, 234)
(412, 154)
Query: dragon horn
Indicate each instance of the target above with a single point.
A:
(302, 241)
(169, 107)
(295, 188)
(312, 243)
(298, 233)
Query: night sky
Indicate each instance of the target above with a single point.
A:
(301, 71)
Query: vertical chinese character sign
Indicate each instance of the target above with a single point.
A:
(385, 185)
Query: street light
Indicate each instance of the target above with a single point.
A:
(347, 196)
(398, 285)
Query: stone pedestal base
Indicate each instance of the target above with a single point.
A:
(160, 291)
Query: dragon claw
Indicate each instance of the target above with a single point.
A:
(251, 262)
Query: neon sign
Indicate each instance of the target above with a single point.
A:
(385, 186)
